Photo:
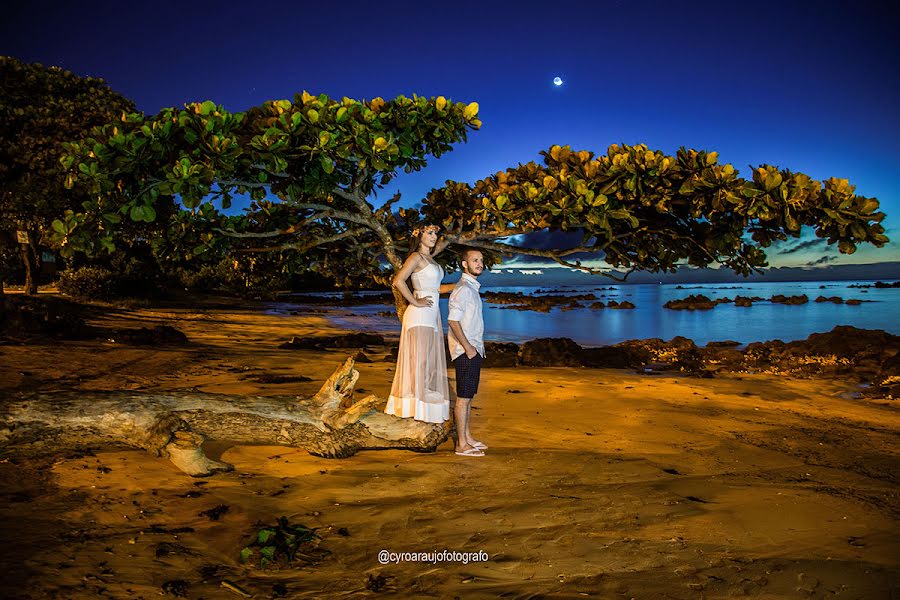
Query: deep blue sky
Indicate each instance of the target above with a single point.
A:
(811, 86)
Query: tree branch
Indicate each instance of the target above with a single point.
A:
(267, 234)
(308, 245)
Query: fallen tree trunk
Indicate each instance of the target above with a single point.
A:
(175, 425)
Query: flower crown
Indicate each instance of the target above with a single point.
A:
(426, 229)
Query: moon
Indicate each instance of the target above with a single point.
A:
(557, 81)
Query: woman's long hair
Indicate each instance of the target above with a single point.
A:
(415, 241)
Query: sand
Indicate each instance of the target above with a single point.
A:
(597, 483)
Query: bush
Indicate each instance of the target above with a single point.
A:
(244, 277)
(89, 283)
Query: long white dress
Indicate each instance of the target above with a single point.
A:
(420, 389)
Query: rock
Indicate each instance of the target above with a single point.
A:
(845, 352)
(597, 305)
(692, 302)
(624, 304)
(26, 316)
(611, 357)
(520, 301)
(743, 301)
(360, 357)
(853, 302)
(500, 354)
(550, 352)
(161, 335)
(878, 284)
(350, 340)
(832, 299)
(678, 353)
(271, 378)
(793, 300)
(723, 344)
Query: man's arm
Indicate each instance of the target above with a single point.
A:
(461, 338)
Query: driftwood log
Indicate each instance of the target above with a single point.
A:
(175, 425)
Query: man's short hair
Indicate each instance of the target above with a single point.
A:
(464, 255)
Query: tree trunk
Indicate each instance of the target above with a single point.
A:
(175, 425)
(30, 274)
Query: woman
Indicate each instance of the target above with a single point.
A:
(420, 388)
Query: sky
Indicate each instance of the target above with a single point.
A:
(809, 86)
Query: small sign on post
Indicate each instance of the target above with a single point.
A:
(22, 236)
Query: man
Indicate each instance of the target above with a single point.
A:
(466, 340)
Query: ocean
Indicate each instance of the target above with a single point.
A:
(763, 321)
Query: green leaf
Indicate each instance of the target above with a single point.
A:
(246, 553)
(59, 227)
(341, 114)
(313, 115)
(296, 119)
(264, 535)
(327, 164)
(207, 107)
(324, 138)
(269, 552)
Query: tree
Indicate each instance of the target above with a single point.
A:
(323, 159)
(40, 108)
(644, 210)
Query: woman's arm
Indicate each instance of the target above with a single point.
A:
(400, 281)
(446, 288)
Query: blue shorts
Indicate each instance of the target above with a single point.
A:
(468, 374)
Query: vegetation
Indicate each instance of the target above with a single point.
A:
(40, 108)
(278, 546)
(322, 159)
(312, 165)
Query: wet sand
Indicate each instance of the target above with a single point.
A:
(597, 483)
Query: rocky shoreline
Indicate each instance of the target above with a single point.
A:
(870, 357)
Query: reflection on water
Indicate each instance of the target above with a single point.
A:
(760, 322)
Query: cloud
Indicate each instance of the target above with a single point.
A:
(821, 261)
(547, 240)
(806, 245)
(531, 271)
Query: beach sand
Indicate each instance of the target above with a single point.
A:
(597, 483)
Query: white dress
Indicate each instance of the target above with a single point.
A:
(420, 389)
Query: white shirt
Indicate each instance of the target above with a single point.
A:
(465, 307)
